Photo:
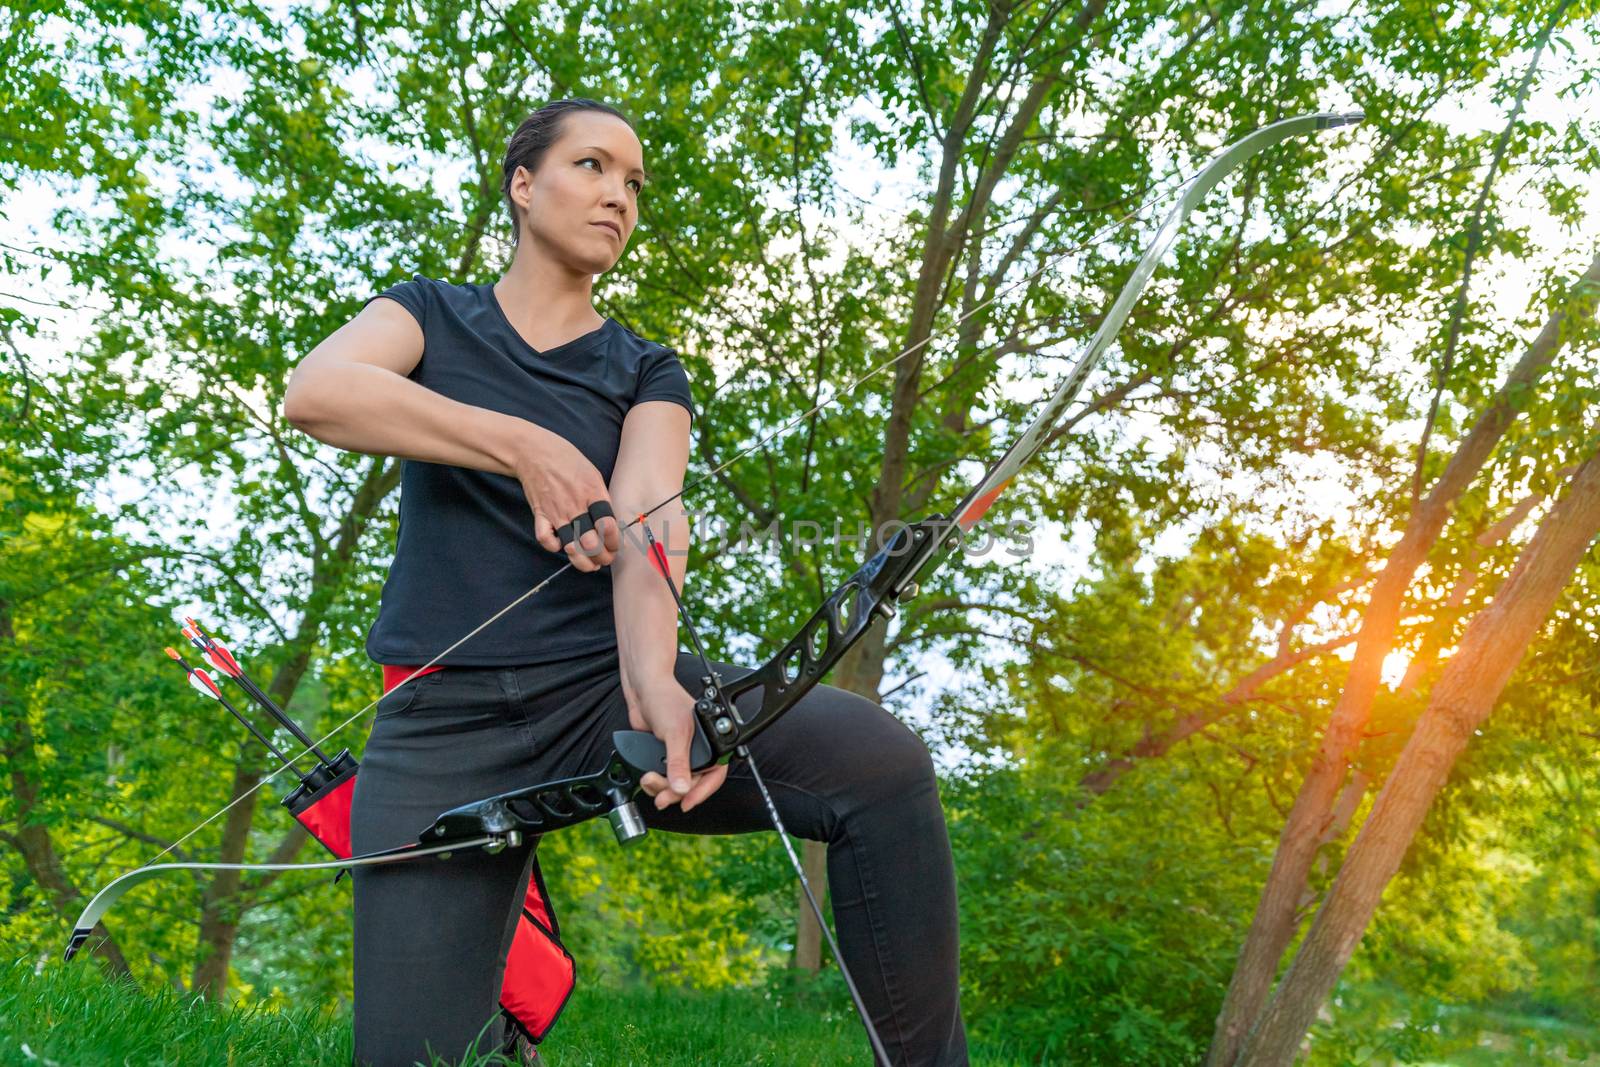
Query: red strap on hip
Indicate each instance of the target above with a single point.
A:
(393, 676)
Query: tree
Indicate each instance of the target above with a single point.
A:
(1303, 834)
(1460, 703)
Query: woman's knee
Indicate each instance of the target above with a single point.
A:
(855, 739)
(884, 756)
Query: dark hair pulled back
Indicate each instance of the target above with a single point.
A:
(533, 138)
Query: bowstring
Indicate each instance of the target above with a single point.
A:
(879, 1054)
(838, 394)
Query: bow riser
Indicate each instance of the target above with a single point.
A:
(870, 595)
(549, 806)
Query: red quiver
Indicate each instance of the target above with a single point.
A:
(540, 973)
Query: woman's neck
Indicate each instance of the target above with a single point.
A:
(540, 296)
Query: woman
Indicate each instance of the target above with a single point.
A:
(519, 396)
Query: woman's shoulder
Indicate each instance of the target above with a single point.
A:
(446, 290)
(642, 345)
(420, 290)
(658, 372)
(648, 359)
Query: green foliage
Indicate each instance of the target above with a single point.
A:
(1094, 936)
(227, 184)
(1381, 1024)
(622, 921)
(71, 1017)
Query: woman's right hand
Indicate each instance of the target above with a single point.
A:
(560, 484)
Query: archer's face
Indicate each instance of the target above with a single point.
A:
(581, 205)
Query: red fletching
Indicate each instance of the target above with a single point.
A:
(194, 638)
(215, 652)
(223, 660)
(658, 556)
(203, 683)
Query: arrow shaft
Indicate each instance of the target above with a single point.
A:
(256, 732)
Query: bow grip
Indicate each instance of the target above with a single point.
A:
(645, 752)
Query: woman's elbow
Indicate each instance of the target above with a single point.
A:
(664, 506)
(304, 406)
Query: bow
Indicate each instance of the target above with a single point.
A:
(874, 592)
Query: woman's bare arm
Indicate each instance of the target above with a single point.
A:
(352, 392)
(651, 461)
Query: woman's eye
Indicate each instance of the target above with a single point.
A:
(633, 183)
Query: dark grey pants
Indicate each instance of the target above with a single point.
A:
(431, 937)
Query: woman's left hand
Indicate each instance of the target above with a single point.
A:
(667, 710)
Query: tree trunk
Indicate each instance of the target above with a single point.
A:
(1465, 694)
(1426, 660)
(32, 839)
(808, 935)
(222, 904)
(1274, 923)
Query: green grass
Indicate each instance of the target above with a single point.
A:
(673, 1028)
(66, 1016)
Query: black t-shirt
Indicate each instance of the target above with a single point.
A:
(466, 547)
